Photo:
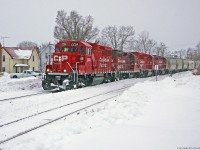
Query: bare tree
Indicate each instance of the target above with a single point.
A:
(117, 37)
(190, 52)
(25, 44)
(198, 51)
(28, 44)
(74, 27)
(150, 45)
(144, 43)
(198, 46)
(126, 34)
(110, 36)
(161, 49)
(143, 38)
(182, 53)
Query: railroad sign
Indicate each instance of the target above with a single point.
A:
(156, 67)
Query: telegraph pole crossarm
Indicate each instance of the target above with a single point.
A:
(4, 37)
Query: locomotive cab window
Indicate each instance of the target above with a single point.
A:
(57, 49)
(82, 50)
(65, 49)
(74, 49)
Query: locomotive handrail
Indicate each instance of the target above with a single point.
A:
(72, 70)
(77, 71)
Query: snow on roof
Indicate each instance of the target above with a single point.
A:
(23, 54)
(19, 53)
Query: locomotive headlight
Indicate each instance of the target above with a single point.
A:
(64, 70)
(82, 58)
(48, 70)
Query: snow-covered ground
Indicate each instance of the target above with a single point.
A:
(18, 87)
(148, 115)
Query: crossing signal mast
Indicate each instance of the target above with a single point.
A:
(4, 37)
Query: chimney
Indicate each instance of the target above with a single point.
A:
(0, 58)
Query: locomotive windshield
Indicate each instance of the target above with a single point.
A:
(57, 49)
(70, 49)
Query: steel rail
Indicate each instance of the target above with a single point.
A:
(54, 120)
(55, 108)
(7, 99)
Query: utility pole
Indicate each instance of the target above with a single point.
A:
(4, 37)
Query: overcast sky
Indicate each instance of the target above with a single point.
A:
(174, 22)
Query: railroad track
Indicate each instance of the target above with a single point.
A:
(87, 102)
(27, 95)
(43, 121)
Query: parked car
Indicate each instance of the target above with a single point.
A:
(24, 74)
(38, 73)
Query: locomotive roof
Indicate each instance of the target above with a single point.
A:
(140, 53)
(70, 41)
(100, 47)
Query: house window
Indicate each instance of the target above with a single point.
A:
(33, 58)
(46, 55)
(33, 68)
(4, 58)
(3, 69)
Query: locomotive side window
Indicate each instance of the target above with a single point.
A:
(82, 50)
(88, 51)
(57, 49)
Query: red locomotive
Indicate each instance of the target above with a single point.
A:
(161, 63)
(79, 64)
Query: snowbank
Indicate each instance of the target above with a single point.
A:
(8, 84)
(150, 115)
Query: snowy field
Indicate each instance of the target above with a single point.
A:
(149, 115)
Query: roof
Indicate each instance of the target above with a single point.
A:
(19, 53)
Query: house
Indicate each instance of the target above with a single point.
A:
(15, 59)
(46, 56)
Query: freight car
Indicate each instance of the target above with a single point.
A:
(78, 64)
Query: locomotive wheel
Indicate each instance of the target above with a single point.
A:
(82, 82)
